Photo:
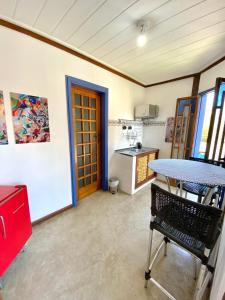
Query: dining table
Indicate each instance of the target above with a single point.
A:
(184, 170)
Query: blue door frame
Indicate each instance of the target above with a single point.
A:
(71, 81)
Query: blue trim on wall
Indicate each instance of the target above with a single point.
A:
(104, 130)
(104, 139)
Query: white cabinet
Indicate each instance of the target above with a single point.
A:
(133, 171)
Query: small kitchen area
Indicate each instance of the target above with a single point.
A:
(130, 164)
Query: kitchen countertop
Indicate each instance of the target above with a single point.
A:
(133, 151)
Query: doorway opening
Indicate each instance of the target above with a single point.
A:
(87, 107)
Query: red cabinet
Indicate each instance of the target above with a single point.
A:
(15, 224)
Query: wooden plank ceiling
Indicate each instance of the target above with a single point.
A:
(184, 36)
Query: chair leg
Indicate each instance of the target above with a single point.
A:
(185, 195)
(147, 270)
(200, 281)
(165, 249)
(195, 268)
(166, 241)
(216, 204)
(199, 199)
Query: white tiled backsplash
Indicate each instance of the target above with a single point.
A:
(117, 140)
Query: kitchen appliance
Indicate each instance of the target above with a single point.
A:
(139, 145)
(146, 111)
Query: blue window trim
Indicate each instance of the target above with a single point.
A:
(71, 81)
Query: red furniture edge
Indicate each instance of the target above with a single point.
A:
(15, 223)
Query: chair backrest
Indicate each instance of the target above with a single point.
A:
(209, 161)
(195, 219)
(221, 190)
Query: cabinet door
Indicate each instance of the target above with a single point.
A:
(143, 173)
(141, 169)
(152, 156)
(15, 227)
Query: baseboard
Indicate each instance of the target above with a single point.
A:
(55, 213)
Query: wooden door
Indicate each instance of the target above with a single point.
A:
(184, 129)
(86, 119)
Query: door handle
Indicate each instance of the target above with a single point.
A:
(3, 226)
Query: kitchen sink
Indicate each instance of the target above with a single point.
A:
(133, 151)
(137, 150)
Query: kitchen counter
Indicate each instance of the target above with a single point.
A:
(134, 151)
(131, 165)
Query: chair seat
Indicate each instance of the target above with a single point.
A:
(195, 188)
(188, 242)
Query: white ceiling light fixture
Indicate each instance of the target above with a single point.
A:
(142, 26)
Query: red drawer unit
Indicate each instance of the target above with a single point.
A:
(15, 223)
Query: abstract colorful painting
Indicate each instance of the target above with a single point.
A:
(3, 131)
(30, 118)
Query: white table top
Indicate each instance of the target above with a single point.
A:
(189, 170)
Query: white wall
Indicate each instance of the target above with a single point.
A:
(32, 67)
(165, 96)
(119, 141)
(208, 78)
(207, 81)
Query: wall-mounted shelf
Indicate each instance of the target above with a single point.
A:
(120, 122)
(154, 123)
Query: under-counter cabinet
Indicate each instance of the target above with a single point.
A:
(132, 168)
(15, 223)
(143, 173)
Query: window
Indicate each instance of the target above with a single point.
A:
(215, 143)
(203, 123)
(210, 130)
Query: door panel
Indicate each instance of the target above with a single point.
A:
(185, 119)
(86, 119)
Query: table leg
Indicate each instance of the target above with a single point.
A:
(181, 188)
(168, 184)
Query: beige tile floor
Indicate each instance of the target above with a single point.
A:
(97, 252)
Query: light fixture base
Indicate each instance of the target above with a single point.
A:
(143, 26)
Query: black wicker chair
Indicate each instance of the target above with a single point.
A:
(193, 226)
(200, 189)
